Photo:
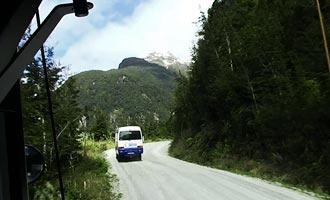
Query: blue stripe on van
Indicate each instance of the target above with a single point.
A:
(128, 151)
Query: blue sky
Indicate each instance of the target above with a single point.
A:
(124, 8)
(116, 29)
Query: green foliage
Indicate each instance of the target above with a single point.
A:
(258, 90)
(100, 128)
(45, 192)
(91, 177)
(67, 117)
(85, 173)
(155, 131)
(36, 119)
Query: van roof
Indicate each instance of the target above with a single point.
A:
(129, 128)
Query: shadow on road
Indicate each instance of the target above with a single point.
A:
(128, 159)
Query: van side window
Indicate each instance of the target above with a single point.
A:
(129, 135)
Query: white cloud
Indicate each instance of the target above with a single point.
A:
(98, 42)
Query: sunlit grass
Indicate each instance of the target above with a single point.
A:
(91, 178)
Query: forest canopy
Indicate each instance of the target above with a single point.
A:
(258, 89)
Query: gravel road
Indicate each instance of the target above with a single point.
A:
(159, 176)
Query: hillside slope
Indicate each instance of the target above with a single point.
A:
(129, 94)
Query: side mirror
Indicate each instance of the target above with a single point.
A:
(35, 163)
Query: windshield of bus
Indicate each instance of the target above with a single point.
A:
(129, 135)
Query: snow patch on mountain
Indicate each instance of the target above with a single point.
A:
(168, 60)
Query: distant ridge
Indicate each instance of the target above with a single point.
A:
(134, 61)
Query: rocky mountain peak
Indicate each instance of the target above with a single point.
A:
(168, 60)
(134, 61)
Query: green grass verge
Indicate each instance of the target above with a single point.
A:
(90, 178)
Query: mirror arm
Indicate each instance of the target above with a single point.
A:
(14, 70)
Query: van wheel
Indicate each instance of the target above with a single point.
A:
(119, 158)
(140, 157)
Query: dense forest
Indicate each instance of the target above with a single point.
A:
(258, 91)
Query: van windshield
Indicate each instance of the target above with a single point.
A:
(129, 135)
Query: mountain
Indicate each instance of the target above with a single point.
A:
(168, 60)
(138, 91)
(133, 61)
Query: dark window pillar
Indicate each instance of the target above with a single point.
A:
(13, 184)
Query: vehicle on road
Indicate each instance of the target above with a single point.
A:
(129, 142)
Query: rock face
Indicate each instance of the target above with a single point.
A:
(133, 61)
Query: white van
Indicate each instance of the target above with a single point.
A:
(129, 142)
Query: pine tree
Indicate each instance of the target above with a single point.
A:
(36, 120)
(100, 127)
